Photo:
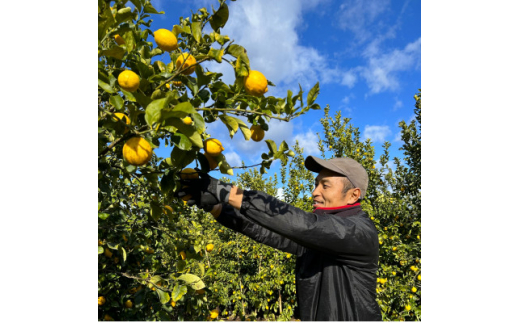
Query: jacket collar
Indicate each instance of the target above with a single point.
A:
(347, 210)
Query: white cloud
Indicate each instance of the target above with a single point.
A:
(397, 138)
(398, 104)
(358, 15)
(376, 133)
(308, 141)
(349, 79)
(267, 29)
(280, 193)
(233, 159)
(381, 72)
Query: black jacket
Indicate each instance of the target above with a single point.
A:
(337, 254)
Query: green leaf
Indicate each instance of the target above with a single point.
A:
(283, 146)
(216, 54)
(245, 129)
(116, 101)
(202, 269)
(230, 123)
(190, 132)
(271, 145)
(167, 181)
(103, 216)
(224, 166)
(178, 292)
(148, 8)
(123, 252)
(193, 281)
(196, 31)
(137, 4)
(313, 94)
(154, 109)
(112, 245)
(164, 297)
(105, 86)
(219, 18)
(115, 52)
(100, 250)
(182, 141)
(157, 211)
(181, 158)
(128, 95)
(142, 99)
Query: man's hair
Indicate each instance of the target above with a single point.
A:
(347, 185)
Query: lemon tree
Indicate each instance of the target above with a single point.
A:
(154, 88)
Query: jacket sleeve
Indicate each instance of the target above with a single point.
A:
(355, 238)
(234, 220)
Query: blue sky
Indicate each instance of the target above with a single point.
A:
(365, 54)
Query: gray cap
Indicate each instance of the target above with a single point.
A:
(348, 167)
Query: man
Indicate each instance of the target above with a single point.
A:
(336, 245)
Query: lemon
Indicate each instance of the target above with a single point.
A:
(165, 39)
(419, 277)
(408, 307)
(184, 61)
(210, 247)
(212, 162)
(183, 255)
(123, 117)
(414, 289)
(255, 83)
(108, 253)
(168, 85)
(128, 81)
(187, 121)
(108, 318)
(149, 250)
(177, 83)
(128, 303)
(257, 133)
(173, 303)
(101, 300)
(214, 314)
(119, 40)
(213, 147)
(137, 151)
(189, 173)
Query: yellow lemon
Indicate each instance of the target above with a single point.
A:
(394, 248)
(184, 61)
(128, 81)
(123, 117)
(101, 300)
(168, 85)
(137, 151)
(177, 83)
(408, 307)
(189, 173)
(214, 314)
(173, 303)
(187, 121)
(149, 250)
(257, 133)
(213, 147)
(209, 247)
(212, 162)
(255, 83)
(128, 303)
(165, 39)
(419, 277)
(414, 289)
(183, 255)
(394, 273)
(108, 253)
(119, 40)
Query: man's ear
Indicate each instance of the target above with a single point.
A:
(354, 195)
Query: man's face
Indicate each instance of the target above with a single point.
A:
(328, 190)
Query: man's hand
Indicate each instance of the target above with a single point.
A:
(205, 191)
